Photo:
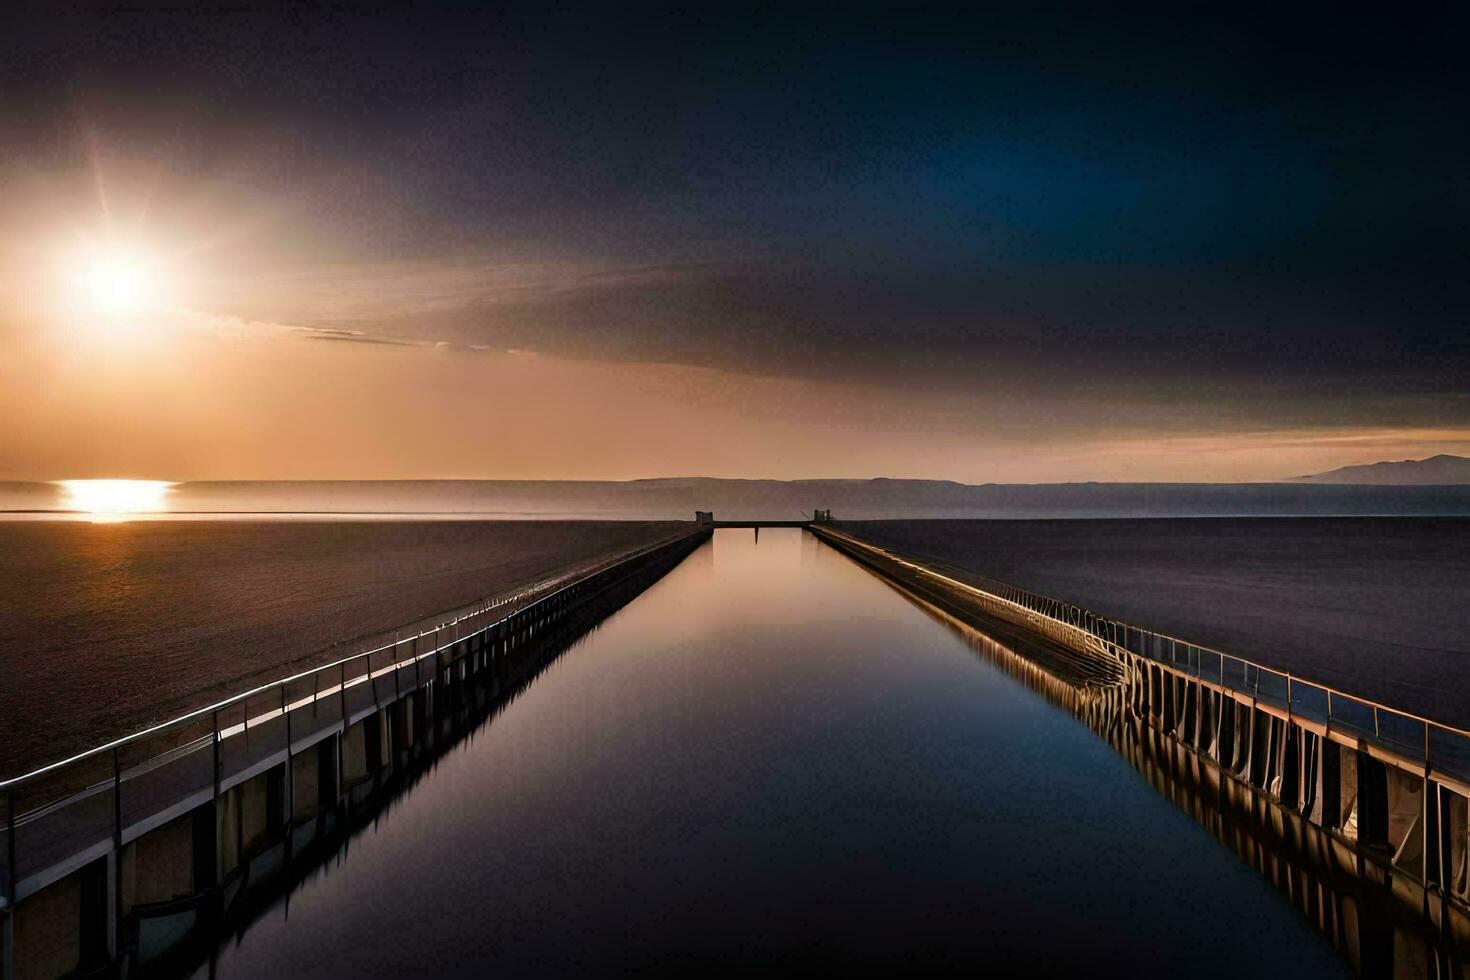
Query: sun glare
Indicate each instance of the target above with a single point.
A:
(114, 500)
(115, 281)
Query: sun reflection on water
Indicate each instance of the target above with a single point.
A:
(107, 501)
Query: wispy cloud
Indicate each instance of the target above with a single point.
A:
(408, 290)
(228, 325)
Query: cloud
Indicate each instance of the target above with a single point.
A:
(242, 327)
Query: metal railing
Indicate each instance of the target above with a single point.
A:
(1435, 749)
(64, 814)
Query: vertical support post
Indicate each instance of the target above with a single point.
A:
(1445, 876)
(114, 921)
(342, 693)
(1428, 823)
(219, 856)
(12, 888)
(1372, 801)
(342, 735)
(240, 861)
(290, 793)
(1329, 767)
(1428, 834)
(373, 681)
(397, 694)
(1290, 766)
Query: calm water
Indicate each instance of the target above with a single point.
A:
(772, 760)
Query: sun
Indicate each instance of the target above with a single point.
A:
(114, 500)
(115, 280)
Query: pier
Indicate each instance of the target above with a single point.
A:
(706, 518)
(1358, 812)
(124, 852)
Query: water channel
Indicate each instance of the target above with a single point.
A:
(772, 759)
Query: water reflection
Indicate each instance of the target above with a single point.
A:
(1381, 920)
(769, 761)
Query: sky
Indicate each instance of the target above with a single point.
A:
(745, 241)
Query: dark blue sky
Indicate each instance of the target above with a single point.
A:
(1260, 214)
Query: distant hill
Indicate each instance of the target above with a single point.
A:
(1441, 470)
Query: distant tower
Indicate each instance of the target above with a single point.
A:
(821, 517)
(704, 517)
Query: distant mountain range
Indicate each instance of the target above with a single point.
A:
(1441, 470)
(679, 498)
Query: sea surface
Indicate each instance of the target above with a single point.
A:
(105, 628)
(772, 761)
(1375, 606)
